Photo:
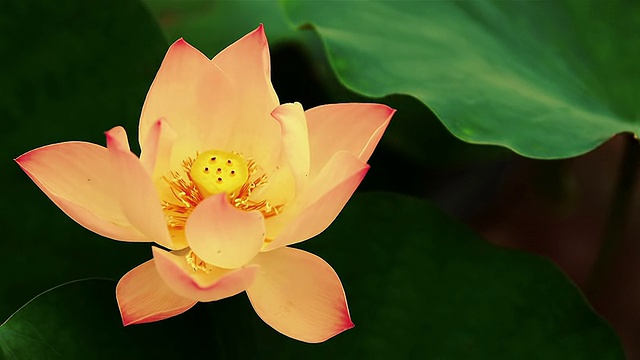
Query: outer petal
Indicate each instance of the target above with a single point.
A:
(78, 177)
(354, 127)
(246, 62)
(199, 285)
(299, 294)
(222, 235)
(195, 97)
(135, 191)
(144, 297)
(321, 202)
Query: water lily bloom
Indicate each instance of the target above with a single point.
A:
(226, 180)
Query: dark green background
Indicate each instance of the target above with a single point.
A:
(419, 283)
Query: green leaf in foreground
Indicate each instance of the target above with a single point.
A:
(72, 70)
(419, 285)
(80, 320)
(548, 79)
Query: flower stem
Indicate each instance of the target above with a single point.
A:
(616, 223)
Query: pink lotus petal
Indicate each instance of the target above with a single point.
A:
(222, 235)
(300, 295)
(247, 64)
(200, 285)
(323, 200)
(295, 140)
(195, 98)
(355, 127)
(144, 297)
(135, 191)
(78, 178)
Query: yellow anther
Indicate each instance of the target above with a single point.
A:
(228, 178)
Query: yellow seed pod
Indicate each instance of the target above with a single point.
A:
(217, 171)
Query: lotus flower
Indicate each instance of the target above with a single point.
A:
(227, 179)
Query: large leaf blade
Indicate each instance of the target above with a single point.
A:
(546, 79)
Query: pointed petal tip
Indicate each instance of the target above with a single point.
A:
(125, 321)
(300, 295)
(26, 157)
(117, 138)
(182, 47)
(389, 108)
(180, 42)
(260, 33)
(260, 29)
(22, 158)
(348, 325)
(385, 107)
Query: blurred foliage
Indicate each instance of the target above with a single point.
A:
(419, 285)
(75, 70)
(212, 25)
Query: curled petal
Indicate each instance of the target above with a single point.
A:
(321, 202)
(222, 235)
(247, 64)
(295, 140)
(208, 284)
(356, 128)
(135, 191)
(299, 294)
(144, 297)
(79, 179)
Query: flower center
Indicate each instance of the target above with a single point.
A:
(217, 171)
(213, 172)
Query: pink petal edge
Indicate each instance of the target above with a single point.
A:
(77, 177)
(144, 297)
(299, 295)
(353, 127)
